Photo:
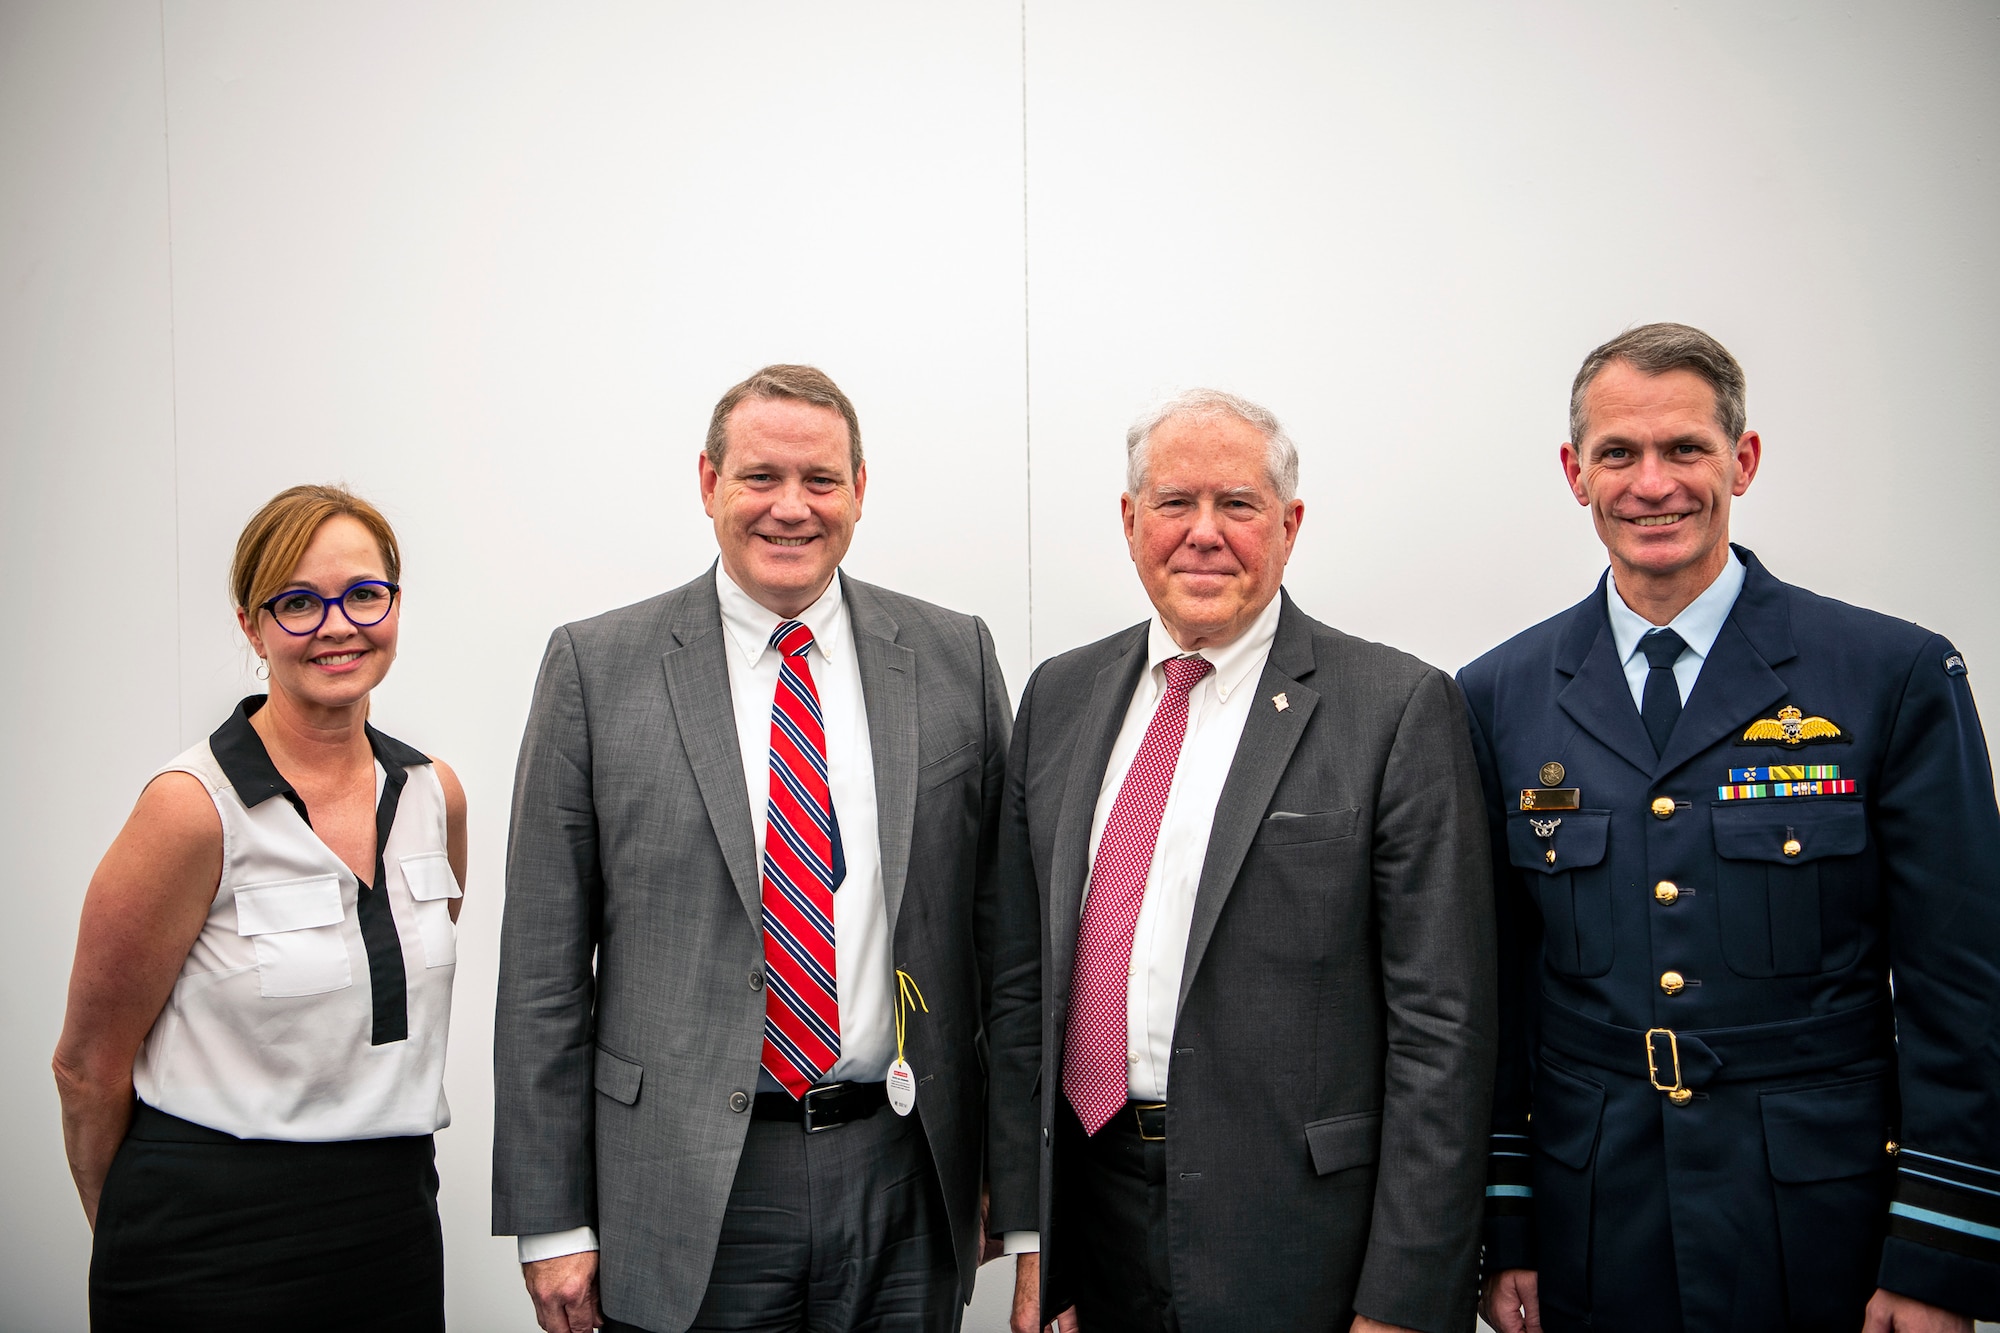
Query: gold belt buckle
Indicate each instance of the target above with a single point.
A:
(1676, 1093)
(1137, 1107)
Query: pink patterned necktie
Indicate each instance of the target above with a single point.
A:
(1094, 1073)
(801, 998)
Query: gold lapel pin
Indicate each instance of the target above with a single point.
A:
(1280, 702)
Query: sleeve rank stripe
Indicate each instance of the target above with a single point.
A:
(1976, 1208)
(1944, 1233)
(1952, 1167)
(1945, 1180)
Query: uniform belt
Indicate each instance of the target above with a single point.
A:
(1693, 1059)
(822, 1107)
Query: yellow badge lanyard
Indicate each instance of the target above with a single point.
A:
(906, 986)
(901, 1084)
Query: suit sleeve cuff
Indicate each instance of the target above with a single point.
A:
(555, 1244)
(1020, 1242)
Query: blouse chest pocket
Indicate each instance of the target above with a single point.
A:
(433, 886)
(1561, 860)
(1781, 870)
(296, 927)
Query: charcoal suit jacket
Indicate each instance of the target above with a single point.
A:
(630, 1015)
(1333, 1053)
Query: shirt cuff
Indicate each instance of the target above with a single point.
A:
(555, 1244)
(1020, 1242)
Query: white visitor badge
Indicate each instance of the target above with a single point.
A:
(902, 1088)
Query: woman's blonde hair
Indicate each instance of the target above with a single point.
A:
(276, 537)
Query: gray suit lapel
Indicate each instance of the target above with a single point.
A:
(1096, 733)
(1269, 737)
(698, 689)
(889, 692)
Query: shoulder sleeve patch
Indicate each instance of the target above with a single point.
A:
(1954, 664)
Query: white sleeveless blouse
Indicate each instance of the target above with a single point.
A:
(269, 1032)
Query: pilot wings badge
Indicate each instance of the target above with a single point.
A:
(1791, 727)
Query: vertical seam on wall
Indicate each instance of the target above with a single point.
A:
(173, 386)
(1027, 363)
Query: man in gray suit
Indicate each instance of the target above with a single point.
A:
(1244, 861)
(754, 822)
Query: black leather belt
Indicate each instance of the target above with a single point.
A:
(822, 1107)
(1677, 1061)
(1146, 1120)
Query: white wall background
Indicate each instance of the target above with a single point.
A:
(491, 264)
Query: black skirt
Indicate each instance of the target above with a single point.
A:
(197, 1229)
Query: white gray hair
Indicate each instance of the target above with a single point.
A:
(1281, 457)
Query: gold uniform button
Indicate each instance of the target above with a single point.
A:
(1663, 807)
(1680, 1096)
(1666, 891)
(1672, 982)
(1892, 1147)
(1792, 847)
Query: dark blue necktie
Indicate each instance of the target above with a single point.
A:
(1662, 706)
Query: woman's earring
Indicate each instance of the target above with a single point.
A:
(263, 669)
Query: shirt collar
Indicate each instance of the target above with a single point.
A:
(1698, 624)
(240, 754)
(1232, 660)
(750, 623)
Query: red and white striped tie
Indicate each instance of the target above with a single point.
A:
(1094, 1073)
(801, 1001)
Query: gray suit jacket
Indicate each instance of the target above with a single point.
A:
(1333, 1057)
(626, 1021)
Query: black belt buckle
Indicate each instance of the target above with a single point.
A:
(816, 1117)
(1152, 1120)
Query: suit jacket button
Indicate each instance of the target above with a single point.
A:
(739, 1101)
(1672, 982)
(1663, 807)
(1666, 891)
(756, 978)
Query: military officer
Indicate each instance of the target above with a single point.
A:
(1725, 812)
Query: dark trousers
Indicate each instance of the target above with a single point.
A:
(843, 1229)
(1109, 1227)
(198, 1230)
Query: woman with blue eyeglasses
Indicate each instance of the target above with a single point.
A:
(252, 1063)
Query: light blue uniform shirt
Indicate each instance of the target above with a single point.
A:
(1699, 622)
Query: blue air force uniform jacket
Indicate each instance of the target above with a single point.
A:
(1750, 1051)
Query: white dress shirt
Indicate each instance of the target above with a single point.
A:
(1698, 624)
(864, 970)
(1218, 706)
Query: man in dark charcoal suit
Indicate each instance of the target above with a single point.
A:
(1727, 814)
(1249, 949)
(751, 816)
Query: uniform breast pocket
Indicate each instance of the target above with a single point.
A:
(433, 886)
(296, 926)
(1572, 888)
(1777, 866)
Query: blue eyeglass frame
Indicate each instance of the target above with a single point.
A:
(326, 605)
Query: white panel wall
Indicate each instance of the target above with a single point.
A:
(88, 647)
(1401, 228)
(493, 264)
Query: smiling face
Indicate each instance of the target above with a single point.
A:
(339, 664)
(1657, 474)
(785, 500)
(1207, 530)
